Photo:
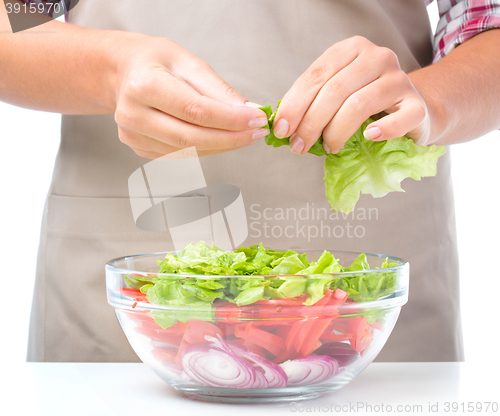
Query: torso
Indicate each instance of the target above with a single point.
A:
(259, 48)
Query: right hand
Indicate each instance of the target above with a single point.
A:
(168, 99)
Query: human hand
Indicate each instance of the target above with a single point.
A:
(168, 99)
(353, 80)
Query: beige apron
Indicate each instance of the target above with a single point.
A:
(259, 47)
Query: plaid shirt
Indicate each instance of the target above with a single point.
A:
(459, 21)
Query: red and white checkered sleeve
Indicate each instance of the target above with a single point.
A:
(460, 20)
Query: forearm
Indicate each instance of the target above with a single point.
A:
(59, 67)
(462, 91)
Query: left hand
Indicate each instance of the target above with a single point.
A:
(350, 82)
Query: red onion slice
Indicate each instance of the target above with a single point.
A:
(274, 374)
(309, 370)
(212, 367)
(260, 380)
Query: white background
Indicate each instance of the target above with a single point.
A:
(30, 140)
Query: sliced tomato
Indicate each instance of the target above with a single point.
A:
(178, 328)
(312, 348)
(336, 337)
(134, 293)
(292, 334)
(338, 298)
(229, 312)
(183, 347)
(377, 325)
(266, 336)
(256, 349)
(297, 334)
(357, 326)
(284, 356)
(282, 331)
(304, 335)
(325, 299)
(295, 302)
(232, 313)
(311, 342)
(228, 328)
(337, 330)
(270, 342)
(196, 331)
(316, 309)
(340, 325)
(268, 309)
(366, 341)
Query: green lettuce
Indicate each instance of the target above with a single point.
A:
(365, 166)
(263, 274)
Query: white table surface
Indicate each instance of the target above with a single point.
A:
(94, 389)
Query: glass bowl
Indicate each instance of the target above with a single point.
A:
(269, 350)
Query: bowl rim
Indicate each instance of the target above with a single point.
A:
(403, 264)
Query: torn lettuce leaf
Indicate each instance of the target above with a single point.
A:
(364, 166)
(197, 277)
(375, 168)
(257, 267)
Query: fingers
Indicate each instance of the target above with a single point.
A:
(143, 144)
(383, 94)
(350, 82)
(297, 100)
(153, 149)
(162, 91)
(169, 99)
(410, 116)
(332, 96)
(177, 134)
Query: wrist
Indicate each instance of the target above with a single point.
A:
(438, 115)
(118, 50)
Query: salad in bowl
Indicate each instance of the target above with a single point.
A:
(257, 324)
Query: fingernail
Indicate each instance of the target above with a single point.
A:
(259, 134)
(281, 128)
(253, 104)
(257, 122)
(326, 148)
(372, 133)
(297, 145)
